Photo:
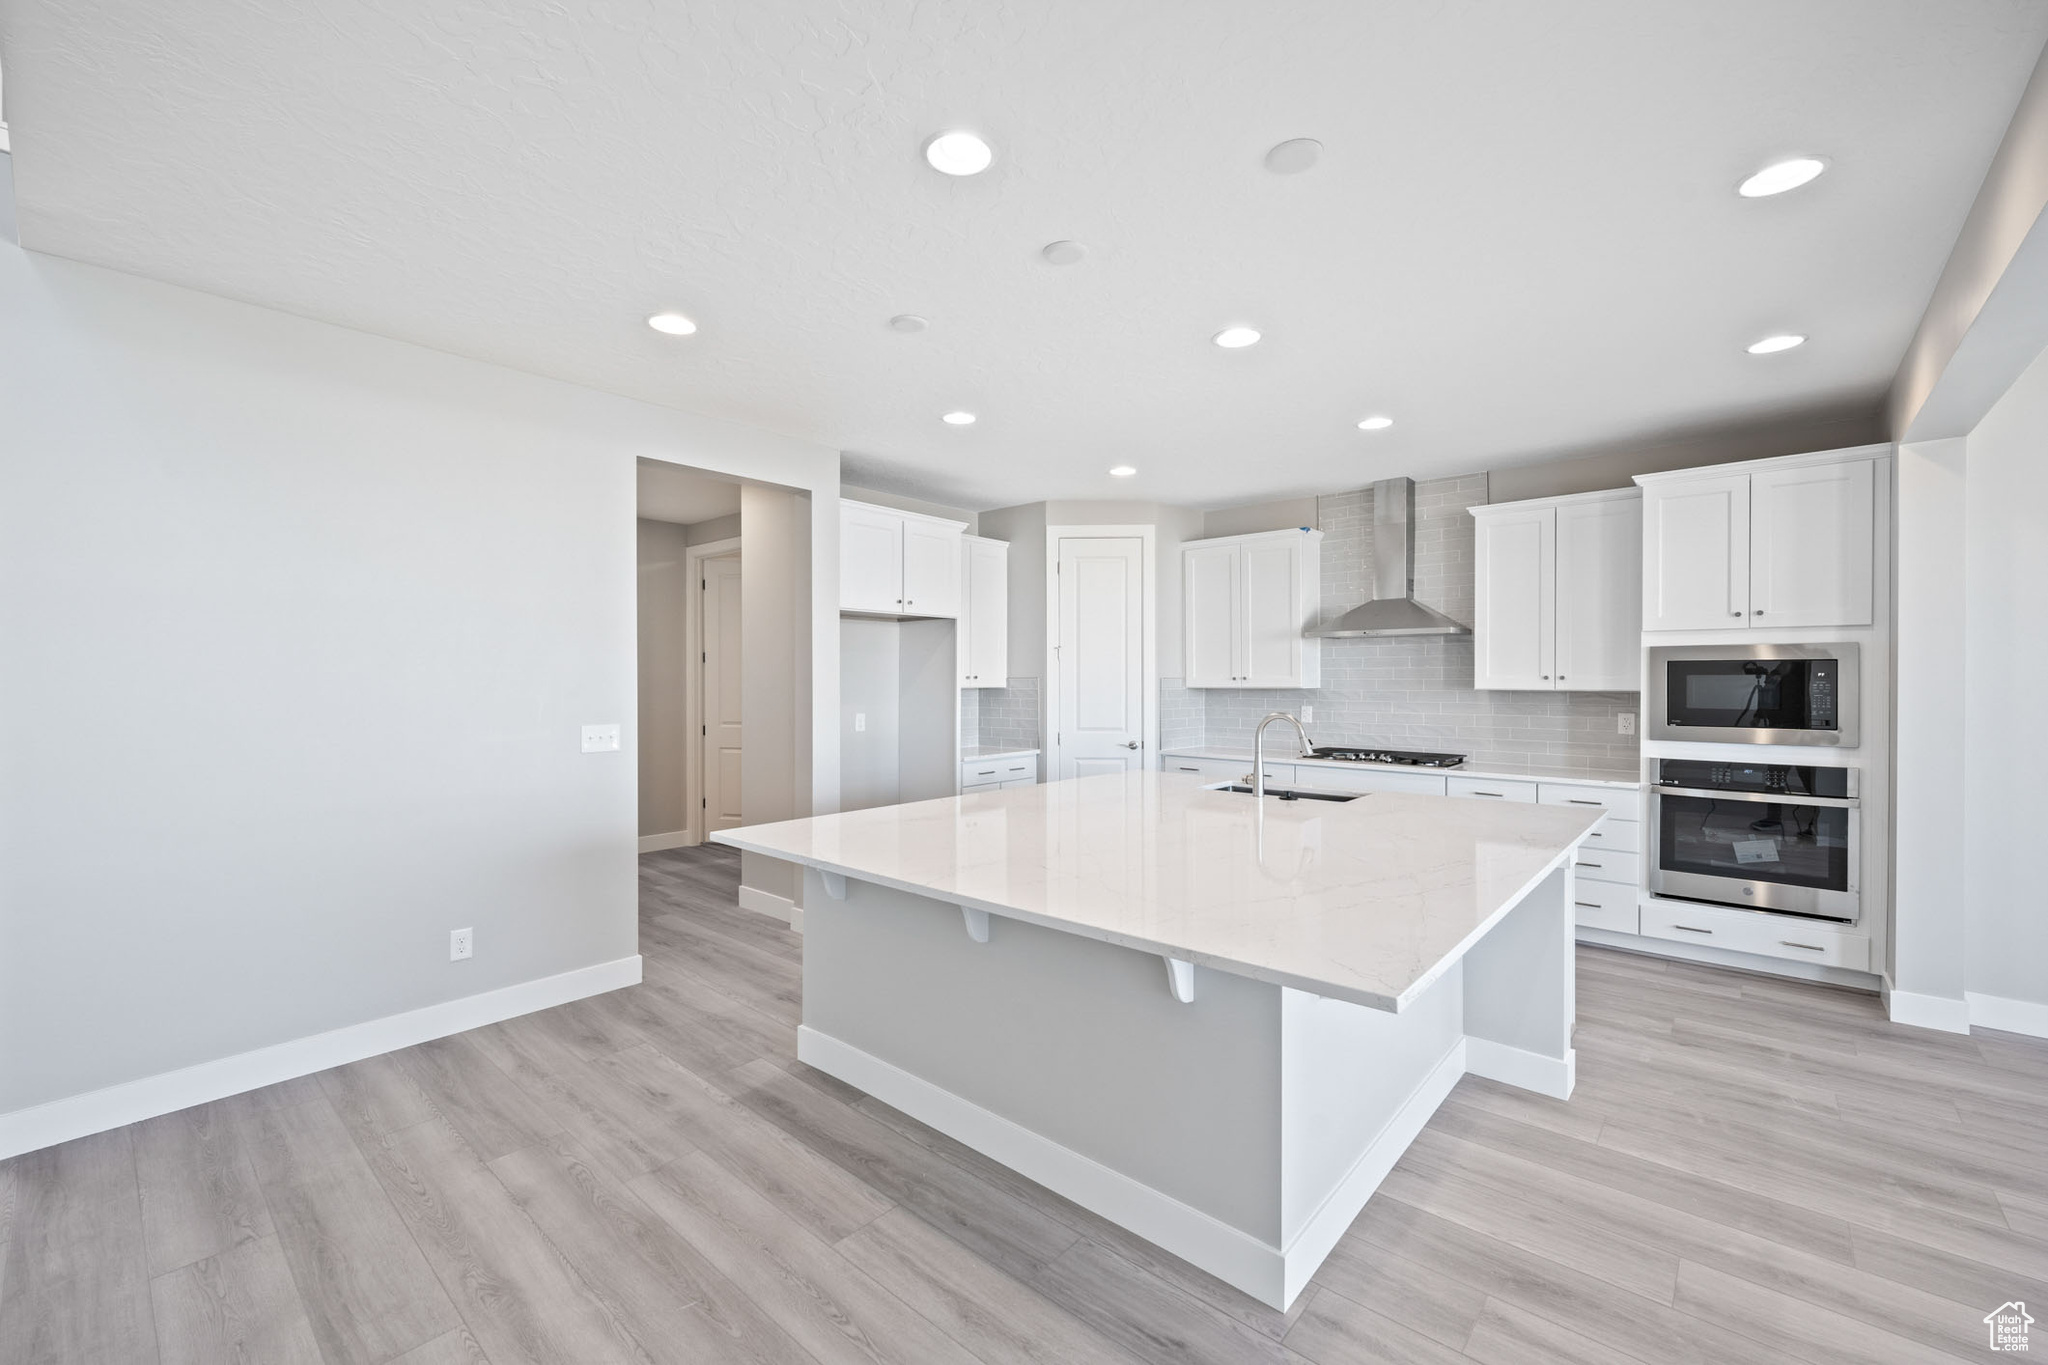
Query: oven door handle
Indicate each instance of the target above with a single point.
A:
(1771, 798)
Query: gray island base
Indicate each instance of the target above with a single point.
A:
(1215, 1022)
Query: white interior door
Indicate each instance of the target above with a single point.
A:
(1099, 721)
(719, 618)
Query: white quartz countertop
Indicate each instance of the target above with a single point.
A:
(1368, 900)
(1526, 772)
(976, 752)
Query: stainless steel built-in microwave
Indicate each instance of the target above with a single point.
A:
(1754, 694)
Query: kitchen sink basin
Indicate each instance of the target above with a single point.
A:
(1289, 793)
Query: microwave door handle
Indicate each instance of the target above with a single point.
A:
(1771, 798)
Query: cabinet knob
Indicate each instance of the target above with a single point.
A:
(1732, 614)
(1546, 677)
(1758, 612)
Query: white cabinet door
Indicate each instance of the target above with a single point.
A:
(1810, 545)
(1272, 594)
(1212, 583)
(1599, 595)
(1696, 554)
(931, 568)
(985, 624)
(870, 559)
(1514, 637)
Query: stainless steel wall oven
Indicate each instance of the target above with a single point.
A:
(1762, 836)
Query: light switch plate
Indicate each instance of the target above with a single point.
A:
(860, 721)
(600, 739)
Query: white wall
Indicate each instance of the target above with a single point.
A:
(301, 625)
(2005, 541)
(870, 660)
(774, 558)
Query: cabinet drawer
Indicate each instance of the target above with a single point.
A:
(1615, 836)
(1605, 905)
(997, 769)
(1598, 865)
(1224, 769)
(1019, 782)
(1752, 931)
(1623, 803)
(982, 786)
(1491, 788)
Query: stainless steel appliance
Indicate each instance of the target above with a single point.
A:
(1784, 837)
(1755, 694)
(1404, 757)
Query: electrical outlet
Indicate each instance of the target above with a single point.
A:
(1308, 714)
(600, 739)
(860, 721)
(1624, 722)
(461, 943)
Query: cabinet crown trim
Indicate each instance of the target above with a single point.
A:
(928, 519)
(1314, 537)
(1561, 500)
(1846, 455)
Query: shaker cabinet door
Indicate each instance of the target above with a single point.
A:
(931, 568)
(1211, 582)
(1811, 541)
(1513, 630)
(1272, 593)
(1599, 595)
(1696, 554)
(870, 560)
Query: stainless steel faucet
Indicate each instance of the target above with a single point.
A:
(1259, 750)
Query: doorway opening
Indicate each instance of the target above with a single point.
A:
(688, 606)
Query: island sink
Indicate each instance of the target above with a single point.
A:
(1289, 793)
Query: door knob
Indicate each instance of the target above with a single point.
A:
(1131, 744)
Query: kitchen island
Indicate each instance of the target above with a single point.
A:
(1214, 1020)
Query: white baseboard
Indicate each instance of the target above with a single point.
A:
(1324, 1228)
(774, 906)
(1233, 1256)
(1927, 1011)
(1552, 1076)
(26, 1130)
(675, 838)
(2008, 1016)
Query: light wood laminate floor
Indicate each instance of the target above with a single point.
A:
(1752, 1170)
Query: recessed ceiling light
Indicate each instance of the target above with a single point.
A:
(1293, 156)
(1236, 338)
(672, 324)
(907, 322)
(1122, 471)
(1768, 345)
(1780, 176)
(958, 419)
(958, 153)
(1063, 253)
(1376, 424)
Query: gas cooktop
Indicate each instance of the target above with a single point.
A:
(1406, 757)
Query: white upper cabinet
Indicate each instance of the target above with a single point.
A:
(1783, 545)
(985, 617)
(1514, 609)
(895, 563)
(1696, 554)
(1599, 593)
(1810, 545)
(1558, 582)
(1248, 600)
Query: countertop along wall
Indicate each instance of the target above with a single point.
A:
(1409, 692)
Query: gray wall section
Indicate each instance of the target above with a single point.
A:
(302, 625)
(1555, 475)
(2005, 658)
(663, 676)
(718, 528)
(870, 662)
(1090, 1048)
(774, 617)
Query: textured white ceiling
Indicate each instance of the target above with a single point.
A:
(1521, 238)
(670, 492)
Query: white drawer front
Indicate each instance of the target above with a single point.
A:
(976, 770)
(1598, 865)
(1750, 931)
(1605, 905)
(966, 787)
(1216, 769)
(1020, 782)
(1489, 789)
(1622, 803)
(1616, 836)
(1372, 780)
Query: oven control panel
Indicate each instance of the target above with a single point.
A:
(1791, 779)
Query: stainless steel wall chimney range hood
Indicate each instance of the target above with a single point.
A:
(1393, 610)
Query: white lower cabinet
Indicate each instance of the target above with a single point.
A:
(1754, 931)
(1373, 780)
(1604, 905)
(1598, 865)
(993, 772)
